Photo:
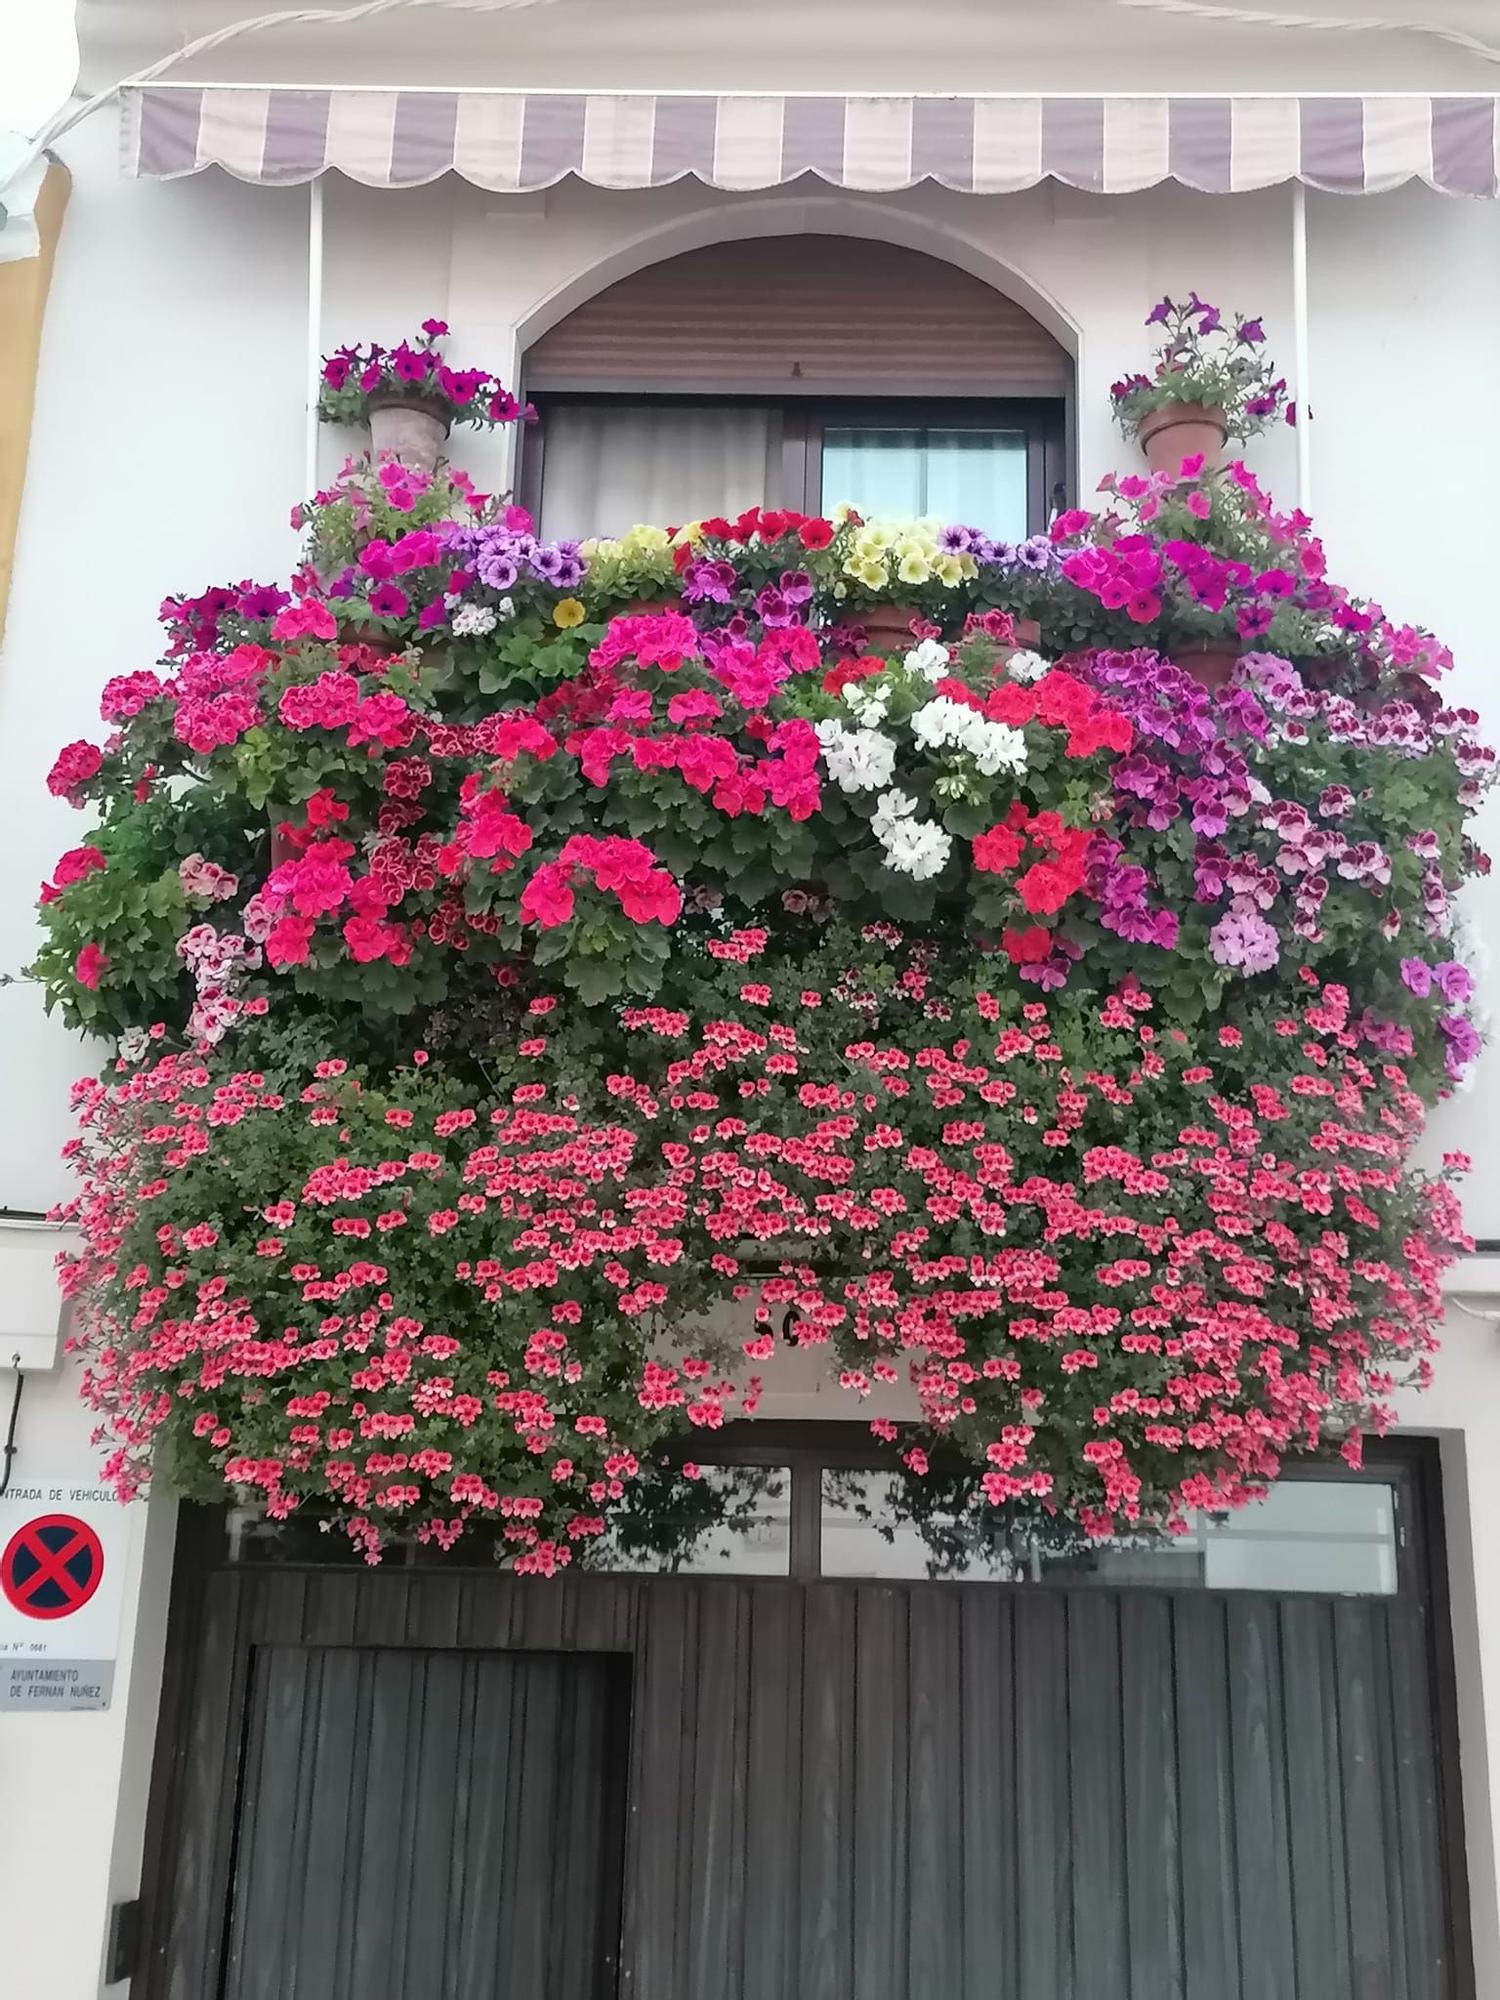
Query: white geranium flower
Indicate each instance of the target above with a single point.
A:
(472, 621)
(940, 723)
(1027, 666)
(995, 746)
(929, 658)
(917, 847)
(867, 700)
(946, 724)
(890, 809)
(858, 760)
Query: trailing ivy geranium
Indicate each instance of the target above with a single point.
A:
(1119, 1281)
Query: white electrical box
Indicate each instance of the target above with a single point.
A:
(31, 1301)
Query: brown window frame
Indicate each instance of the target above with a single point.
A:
(1046, 420)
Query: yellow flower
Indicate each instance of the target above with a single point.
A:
(948, 569)
(913, 567)
(567, 612)
(871, 574)
(643, 541)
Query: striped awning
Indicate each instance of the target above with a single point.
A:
(515, 141)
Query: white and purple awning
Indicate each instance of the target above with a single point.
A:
(514, 141)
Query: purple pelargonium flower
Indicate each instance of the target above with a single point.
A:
(1455, 982)
(1365, 861)
(709, 583)
(1463, 1042)
(1416, 976)
(1244, 940)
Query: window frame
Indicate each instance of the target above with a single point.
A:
(807, 1447)
(1047, 422)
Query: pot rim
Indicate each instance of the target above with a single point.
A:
(423, 405)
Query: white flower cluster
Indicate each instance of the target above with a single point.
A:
(947, 724)
(868, 700)
(858, 760)
(915, 847)
(473, 621)
(1027, 666)
(929, 659)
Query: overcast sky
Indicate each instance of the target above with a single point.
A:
(38, 61)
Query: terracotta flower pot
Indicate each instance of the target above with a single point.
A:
(381, 644)
(887, 627)
(1028, 637)
(411, 428)
(1178, 431)
(1209, 661)
(646, 607)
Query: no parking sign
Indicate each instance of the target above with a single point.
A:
(62, 1560)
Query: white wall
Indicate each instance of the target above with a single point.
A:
(169, 445)
(1149, 46)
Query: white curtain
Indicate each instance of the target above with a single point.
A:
(607, 467)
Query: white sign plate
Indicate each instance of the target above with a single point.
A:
(63, 1551)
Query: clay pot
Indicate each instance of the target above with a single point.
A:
(411, 428)
(1209, 661)
(887, 628)
(381, 644)
(646, 607)
(1178, 430)
(1028, 638)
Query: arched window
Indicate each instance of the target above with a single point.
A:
(797, 371)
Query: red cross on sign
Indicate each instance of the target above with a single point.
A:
(51, 1566)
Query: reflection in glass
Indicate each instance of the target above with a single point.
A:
(977, 477)
(732, 1520)
(1329, 1535)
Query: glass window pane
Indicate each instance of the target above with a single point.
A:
(733, 1520)
(973, 476)
(1334, 1536)
(1324, 1534)
(870, 1529)
(876, 471)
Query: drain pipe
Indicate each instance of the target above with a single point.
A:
(1302, 367)
(314, 330)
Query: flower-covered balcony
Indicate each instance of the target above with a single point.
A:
(1017, 968)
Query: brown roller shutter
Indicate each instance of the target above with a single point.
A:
(788, 315)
